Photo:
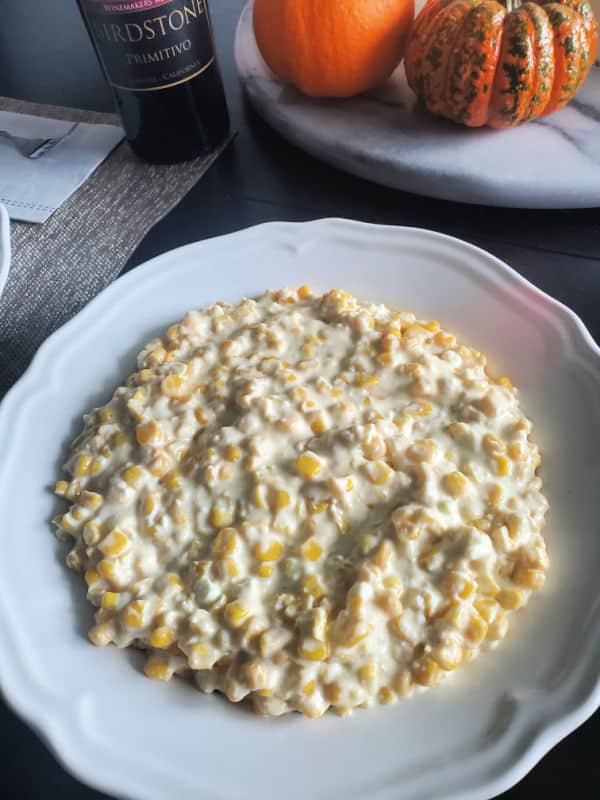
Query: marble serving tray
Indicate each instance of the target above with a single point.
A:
(387, 138)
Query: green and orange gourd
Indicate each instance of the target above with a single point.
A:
(478, 62)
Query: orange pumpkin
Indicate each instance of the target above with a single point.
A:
(478, 62)
(333, 48)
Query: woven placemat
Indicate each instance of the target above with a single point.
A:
(59, 266)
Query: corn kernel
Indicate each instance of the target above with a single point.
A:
(457, 615)
(378, 472)
(157, 356)
(430, 559)
(313, 586)
(61, 488)
(156, 669)
(160, 465)
(271, 553)
(225, 473)
(494, 496)
(101, 635)
(455, 483)
(134, 614)
(145, 375)
(172, 480)
(313, 651)
(311, 550)
(426, 671)
(506, 382)
(91, 576)
(515, 451)
(265, 571)
(95, 467)
(105, 415)
(502, 465)
(110, 600)
(476, 629)
(383, 555)
(527, 577)
(220, 517)
(174, 579)
(367, 673)
(232, 568)
(487, 608)
(173, 386)
(318, 425)
(487, 585)
(355, 607)
(366, 381)
(332, 692)
(402, 682)
(226, 542)
(448, 656)
(77, 513)
(432, 325)
(279, 499)
(202, 568)
(511, 599)
(116, 542)
(107, 570)
(235, 614)
(133, 476)
(389, 601)
(499, 627)
(304, 292)
(258, 496)
(90, 500)
(149, 433)
(386, 695)
(82, 465)
(493, 445)
(232, 453)
(308, 688)
(424, 450)
(67, 523)
(149, 504)
(200, 416)
(162, 637)
(460, 585)
(308, 466)
(443, 339)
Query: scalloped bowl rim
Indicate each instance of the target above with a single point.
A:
(58, 725)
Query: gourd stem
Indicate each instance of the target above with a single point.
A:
(512, 5)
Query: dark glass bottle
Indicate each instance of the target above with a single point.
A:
(158, 57)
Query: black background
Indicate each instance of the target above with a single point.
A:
(46, 57)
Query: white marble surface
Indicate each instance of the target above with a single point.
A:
(386, 138)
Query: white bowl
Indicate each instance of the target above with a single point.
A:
(4, 247)
(471, 738)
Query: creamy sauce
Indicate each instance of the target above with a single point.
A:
(308, 500)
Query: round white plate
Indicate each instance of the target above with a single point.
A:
(471, 738)
(385, 137)
(4, 247)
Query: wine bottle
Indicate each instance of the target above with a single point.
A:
(158, 57)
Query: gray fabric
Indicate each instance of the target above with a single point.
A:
(59, 266)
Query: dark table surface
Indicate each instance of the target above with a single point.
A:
(45, 56)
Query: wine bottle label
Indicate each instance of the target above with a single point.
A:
(147, 45)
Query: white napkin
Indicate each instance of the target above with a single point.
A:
(32, 189)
